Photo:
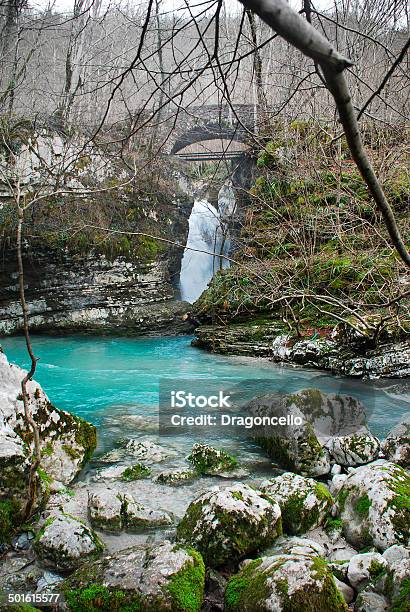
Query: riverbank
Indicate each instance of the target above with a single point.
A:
(326, 351)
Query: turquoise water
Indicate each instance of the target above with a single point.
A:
(105, 378)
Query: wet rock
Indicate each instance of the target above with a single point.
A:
(145, 451)
(336, 483)
(48, 582)
(341, 355)
(23, 541)
(396, 553)
(67, 442)
(396, 446)
(105, 510)
(304, 503)
(64, 543)
(292, 545)
(138, 516)
(320, 429)
(354, 449)
(368, 601)
(111, 510)
(215, 585)
(226, 524)
(345, 590)
(176, 477)
(365, 567)
(373, 506)
(281, 583)
(214, 462)
(19, 572)
(163, 578)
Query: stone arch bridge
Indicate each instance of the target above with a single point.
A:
(208, 132)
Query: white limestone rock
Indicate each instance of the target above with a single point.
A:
(396, 446)
(363, 568)
(227, 524)
(304, 502)
(64, 543)
(368, 601)
(284, 582)
(156, 577)
(67, 442)
(373, 506)
(354, 449)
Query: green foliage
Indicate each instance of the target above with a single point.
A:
(136, 472)
(8, 510)
(401, 603)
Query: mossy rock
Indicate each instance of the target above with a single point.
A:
(227, 524)
(164, 578)
(305, 504)
(374, 506)
(64, 543)
(284, 584)
(212, 461)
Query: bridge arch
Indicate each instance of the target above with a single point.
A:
(206, 132)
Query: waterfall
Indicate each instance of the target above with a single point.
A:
(208, 231)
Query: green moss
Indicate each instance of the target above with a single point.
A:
(245, 586)
(363, 505)
(209, 460)
(401, 603)
(399, 484)
(71, 452)
(237, 495)
(8, 511)
(98, 597)
(376, 570)
(86, 437)
(249, 589)
(42, 529)
(136, 472)
(333, 525)
(186, 587)
(47, 451)
(341, 498)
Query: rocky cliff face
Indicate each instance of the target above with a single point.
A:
(69, 292)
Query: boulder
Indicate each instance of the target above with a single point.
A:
(67, 442)
(304, 503)
(364, 568)
(64, 543)
(227, 524)
(282, 583)
(373, 506)
(396, 446)
(111, 510)
(105, 510)
(319, 429)
(176, 477)
(144, 450)
(396, 553)
(293, 545)
(354, 449)
(345, 590)
(368, 601)
(163, 578)
(214, 462)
